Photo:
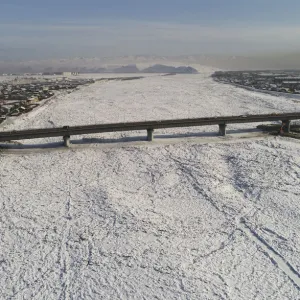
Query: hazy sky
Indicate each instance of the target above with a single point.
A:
(63, 28)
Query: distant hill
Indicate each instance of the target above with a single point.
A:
(90, 70)
(69, 66)
(156, 69)
(126, 69)
(155, 64)
(186, 70)
(101, 70)
(170, 70)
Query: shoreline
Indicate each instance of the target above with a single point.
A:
(273, 93)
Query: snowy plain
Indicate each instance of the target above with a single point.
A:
(160, 220)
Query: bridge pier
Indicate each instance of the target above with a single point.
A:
(286, 125)
(150, 134)
(66, 137)
(222, 129)
(67, 142)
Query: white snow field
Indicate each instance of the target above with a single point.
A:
(204, 217)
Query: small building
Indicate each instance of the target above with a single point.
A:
(66, 74)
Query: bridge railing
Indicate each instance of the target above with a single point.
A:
(150, 126)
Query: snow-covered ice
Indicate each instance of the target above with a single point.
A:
(185, 220)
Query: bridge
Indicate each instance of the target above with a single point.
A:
(67, 131)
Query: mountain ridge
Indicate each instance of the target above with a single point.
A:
(275, 61)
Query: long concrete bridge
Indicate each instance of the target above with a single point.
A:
(150, 126)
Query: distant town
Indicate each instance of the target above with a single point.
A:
(21, 95)
(271, 81)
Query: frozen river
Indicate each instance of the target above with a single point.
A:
(185, 220)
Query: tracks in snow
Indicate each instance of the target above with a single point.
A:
(239, 221)
(275, 257)
(64, 258)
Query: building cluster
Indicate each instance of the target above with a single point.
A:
(22, 95)
(283, 81)
(65, 74)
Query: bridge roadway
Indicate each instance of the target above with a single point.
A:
(68, 131)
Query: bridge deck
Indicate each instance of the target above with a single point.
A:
(67, 131)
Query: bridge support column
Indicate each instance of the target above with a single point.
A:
(150, 135)
(67, 142)
(222, 129)
(66, 137)
(286, 125)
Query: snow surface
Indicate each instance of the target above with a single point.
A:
(185, 220)
(4, 78)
